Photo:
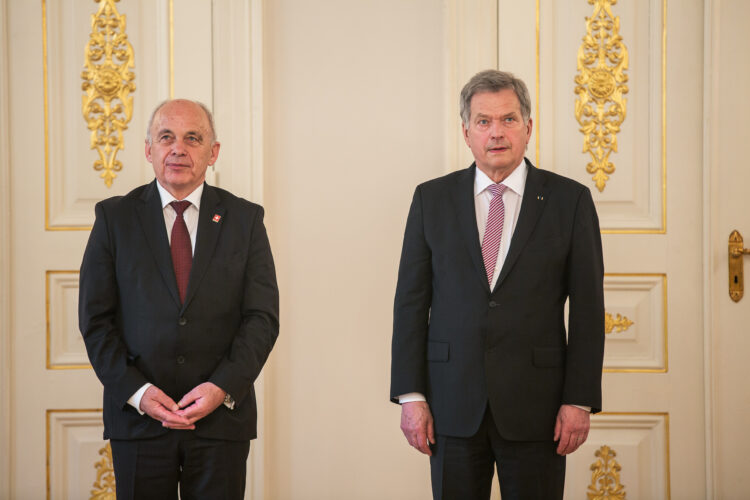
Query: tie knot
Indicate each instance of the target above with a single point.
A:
(497, 189)
(180, 206)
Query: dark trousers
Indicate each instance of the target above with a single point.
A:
(462, 468)
(203, 468)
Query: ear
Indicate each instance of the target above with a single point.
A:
(148, 151)
(529, 128)
(466, 133)
(214, 153)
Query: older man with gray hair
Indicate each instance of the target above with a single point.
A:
(179, 311)
(482, 364)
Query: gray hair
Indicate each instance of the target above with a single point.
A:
(492, 80)
(205, 109)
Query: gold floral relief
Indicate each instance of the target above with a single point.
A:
(104, 486)
(605, 477)
(616, 324)
(107, 103)
(600, 83)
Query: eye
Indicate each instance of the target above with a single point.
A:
(483, 121)
(165, 137)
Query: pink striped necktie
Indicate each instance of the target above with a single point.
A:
(494, 229)
(182, 249)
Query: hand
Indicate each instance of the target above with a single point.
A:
(571, 428)
(201, 401)
(417, 426)
(161, 407)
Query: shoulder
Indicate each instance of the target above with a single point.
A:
(447, 182)
(234, 202)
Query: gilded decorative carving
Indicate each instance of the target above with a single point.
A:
(104, 486)
(600, 83)
(107, 103)
(616, 324)
(605, 477)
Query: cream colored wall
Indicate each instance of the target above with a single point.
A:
(354, 121)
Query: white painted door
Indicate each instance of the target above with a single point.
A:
(644, 65)
(726, 189)
(52, 428)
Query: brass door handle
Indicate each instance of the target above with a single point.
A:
(736, 278)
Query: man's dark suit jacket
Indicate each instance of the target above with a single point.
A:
(463, 345)
(136, 331)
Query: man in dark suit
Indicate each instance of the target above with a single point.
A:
(490, 256)
(178, 309)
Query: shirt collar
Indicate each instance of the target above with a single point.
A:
(167, 198)
(516, 181)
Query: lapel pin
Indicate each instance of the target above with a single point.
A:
(540, 197)
(216, 218)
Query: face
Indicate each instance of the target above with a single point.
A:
(497, 134)
(181, 149)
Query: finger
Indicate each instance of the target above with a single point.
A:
(431, 431)
(558, 429)
(422, 443)
(188, 399)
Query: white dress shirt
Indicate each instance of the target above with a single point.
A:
(191, 221)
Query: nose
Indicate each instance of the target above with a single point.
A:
(178, 147)
(496, 129)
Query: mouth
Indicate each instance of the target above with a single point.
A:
(498, 149)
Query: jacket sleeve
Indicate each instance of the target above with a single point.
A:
(98, 315)
(412, 307)
(259, 326)
(585, 277)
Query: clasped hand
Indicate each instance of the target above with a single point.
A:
(193, 406)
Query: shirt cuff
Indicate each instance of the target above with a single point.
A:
(135, 399)
(411, 397)
(587, 408)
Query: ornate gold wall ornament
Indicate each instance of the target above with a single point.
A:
(616, 324)
(600, 83)
(108, 82)
(104, 486)
(605, 477)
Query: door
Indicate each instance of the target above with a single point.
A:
(616, 97)
(59, 160)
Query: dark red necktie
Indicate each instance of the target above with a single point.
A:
(182, 249)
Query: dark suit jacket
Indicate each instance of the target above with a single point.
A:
(464, 345)
(136, 331)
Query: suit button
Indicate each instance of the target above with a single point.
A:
(493, 303)
(182, 321)
(180, 359)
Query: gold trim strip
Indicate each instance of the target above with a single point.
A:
(50, 366)
(664, 328)
(49, 413)
(664, 414)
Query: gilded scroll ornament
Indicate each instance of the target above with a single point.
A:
(104, 486)
(107, 103)
(605, 477)
(600, 83)
(616, 324)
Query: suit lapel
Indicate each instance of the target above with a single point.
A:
(534, 198)
(210, 221)
(151, 215)
(463, 198)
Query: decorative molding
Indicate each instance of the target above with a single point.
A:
(107, 103)
(641, 343)
(104, 486)
(643, 459)
(74, 444)
(605, 476)
(601, 81)
(616, 324)
(65, 347)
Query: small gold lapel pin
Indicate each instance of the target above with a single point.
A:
(540, 197)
